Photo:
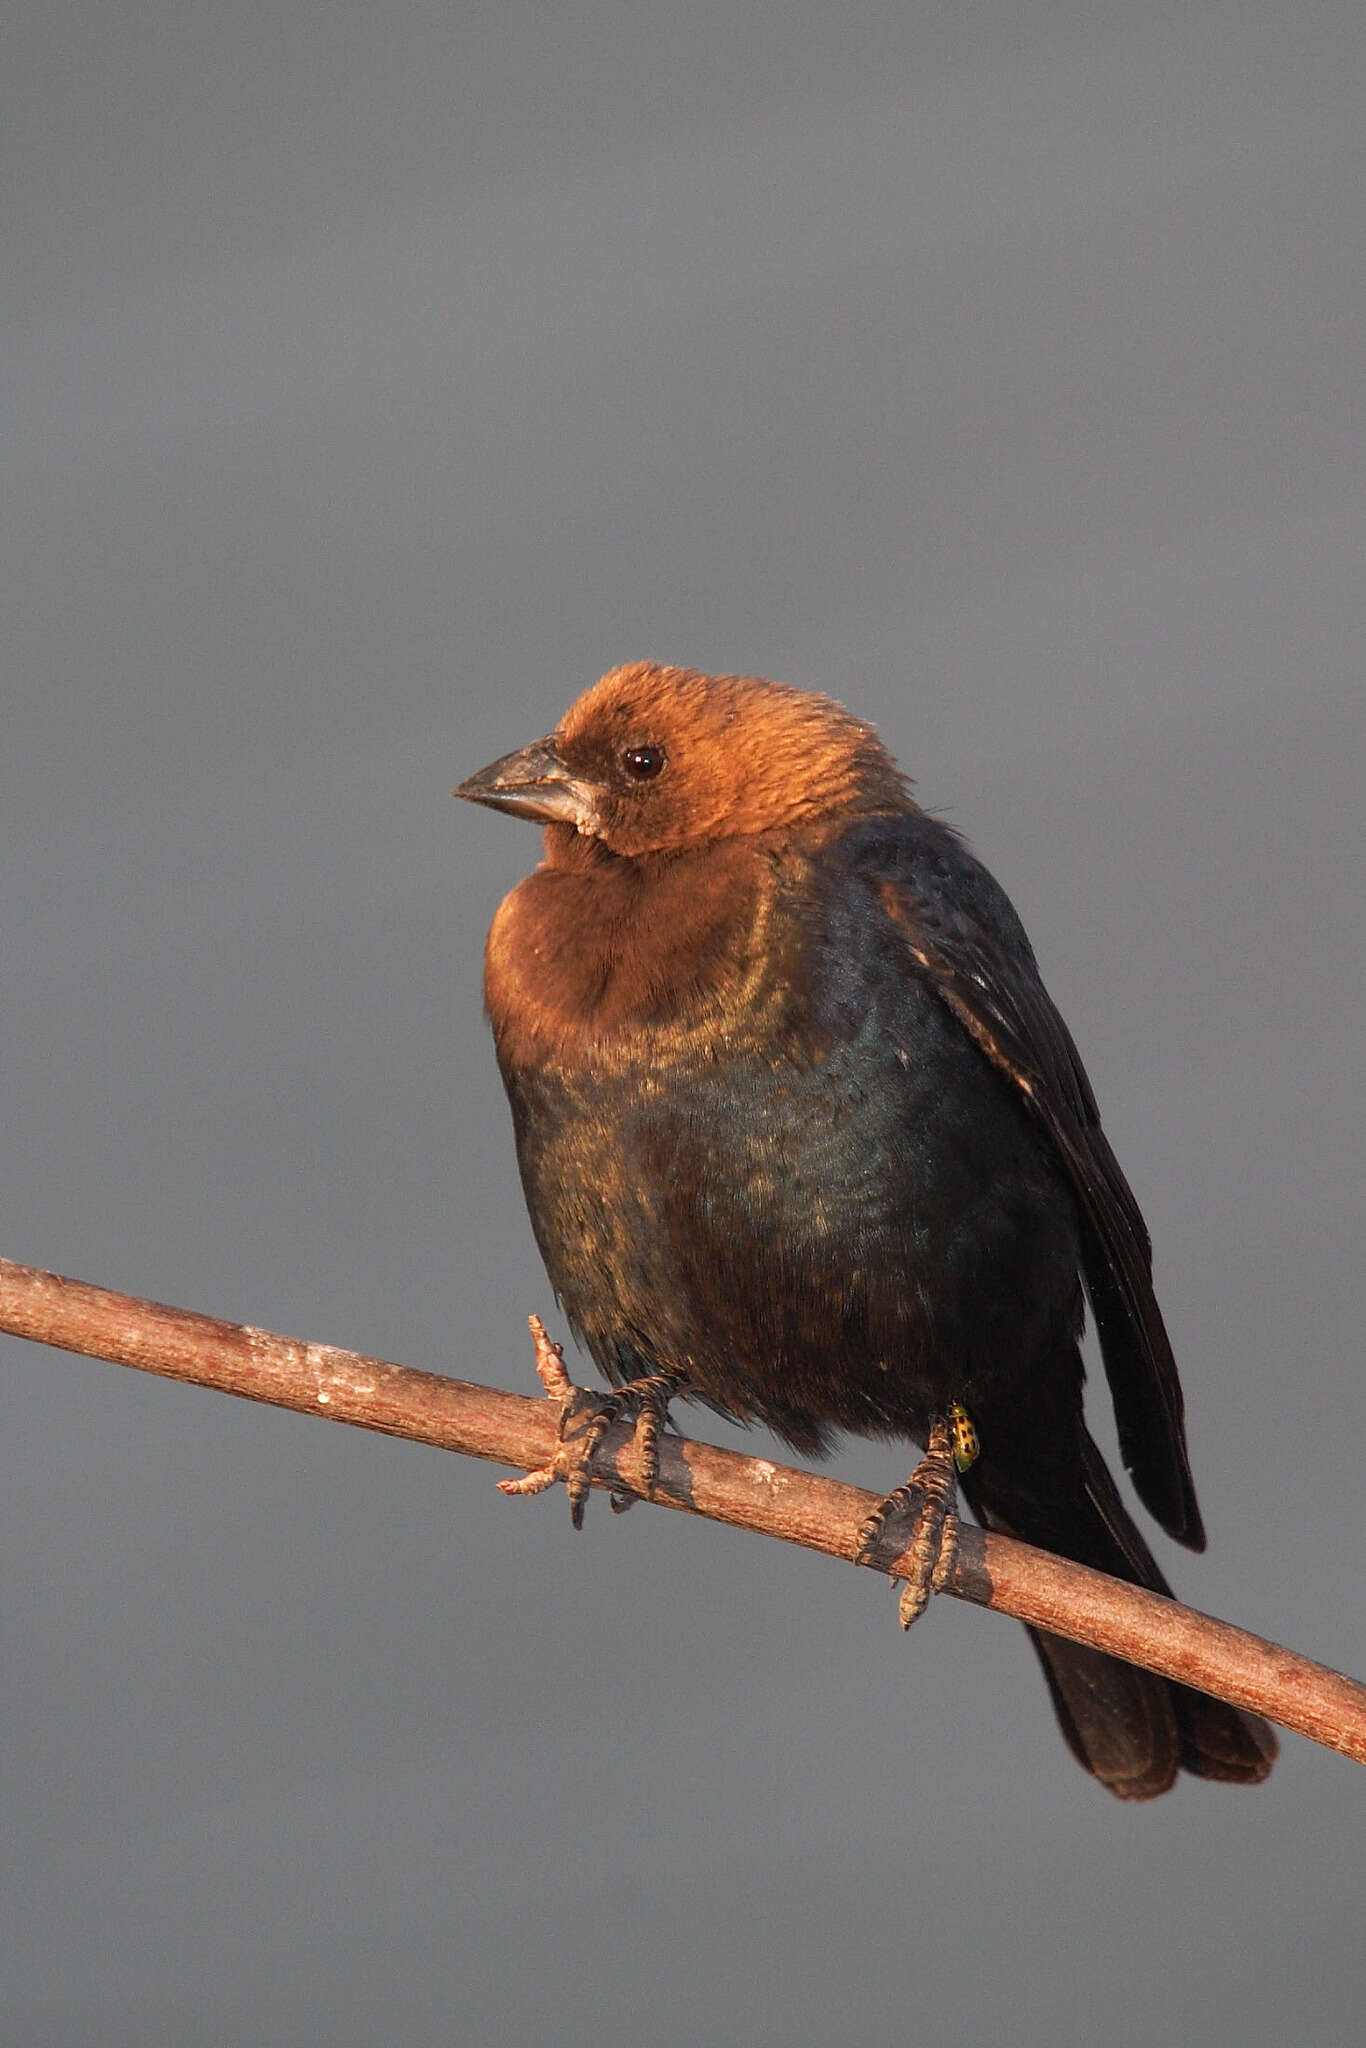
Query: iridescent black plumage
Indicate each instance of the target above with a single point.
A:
(798, 1123)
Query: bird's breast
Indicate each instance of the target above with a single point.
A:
(642, 965)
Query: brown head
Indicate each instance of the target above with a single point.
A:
(653, 759)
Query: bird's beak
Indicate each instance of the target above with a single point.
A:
(533, 783)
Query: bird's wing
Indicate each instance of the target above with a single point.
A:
(962, 932)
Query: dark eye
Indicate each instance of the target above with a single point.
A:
(644, 763)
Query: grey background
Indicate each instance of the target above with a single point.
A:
(374, 377)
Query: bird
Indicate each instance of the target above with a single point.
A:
(802, 1136)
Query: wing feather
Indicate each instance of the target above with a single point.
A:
(963, 933)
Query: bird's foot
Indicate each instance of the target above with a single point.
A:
(930, 1495)
(585, 1418)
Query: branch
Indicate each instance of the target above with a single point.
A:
(749, 1493)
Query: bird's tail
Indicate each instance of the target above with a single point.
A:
(1129, 1728)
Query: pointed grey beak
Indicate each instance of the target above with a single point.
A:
(533, 783)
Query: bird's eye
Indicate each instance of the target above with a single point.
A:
(643, 763)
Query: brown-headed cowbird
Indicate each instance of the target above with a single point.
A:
(803, 1136)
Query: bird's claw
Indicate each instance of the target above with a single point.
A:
(571, 1461)
(929, 1495)
(585, 1418)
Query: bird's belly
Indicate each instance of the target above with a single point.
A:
(836, 1243)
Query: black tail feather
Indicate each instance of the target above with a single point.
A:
(1129, 1728)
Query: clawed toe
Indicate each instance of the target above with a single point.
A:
(929, 1497)
(585, 1418)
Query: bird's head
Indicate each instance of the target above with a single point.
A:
(654, 760)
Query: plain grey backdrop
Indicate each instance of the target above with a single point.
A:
(374, 377)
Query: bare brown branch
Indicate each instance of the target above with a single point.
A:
(749, 1493)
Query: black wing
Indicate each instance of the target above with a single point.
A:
(962, 932)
